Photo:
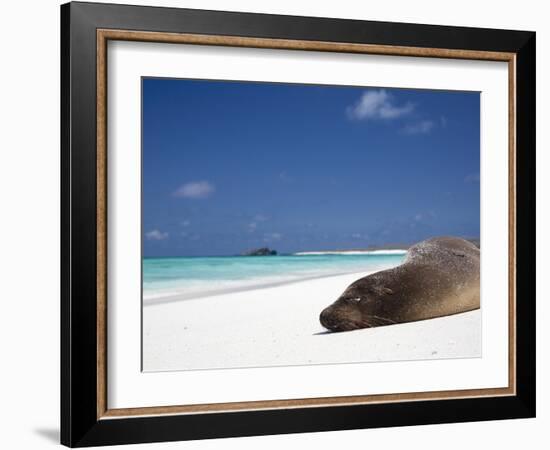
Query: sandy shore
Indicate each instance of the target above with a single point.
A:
(279, 326)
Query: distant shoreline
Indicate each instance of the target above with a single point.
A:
(397, 251)
(398, 247)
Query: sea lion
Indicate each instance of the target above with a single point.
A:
(439, 277)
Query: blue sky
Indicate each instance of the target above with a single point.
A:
(229, 166)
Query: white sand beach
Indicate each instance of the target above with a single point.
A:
(279, 325)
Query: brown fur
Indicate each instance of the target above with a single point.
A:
(440, 276)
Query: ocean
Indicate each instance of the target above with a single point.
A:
(195, 277)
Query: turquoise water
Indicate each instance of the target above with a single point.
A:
(194, 277)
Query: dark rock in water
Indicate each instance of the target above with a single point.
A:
(264, 251)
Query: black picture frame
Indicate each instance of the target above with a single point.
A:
(80, 425)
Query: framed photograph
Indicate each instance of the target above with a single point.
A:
(276, 224)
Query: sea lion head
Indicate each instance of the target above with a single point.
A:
(356, 308)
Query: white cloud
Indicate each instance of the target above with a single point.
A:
(422, 127)
(378, 104)
(185, 223)
(195, 189)
(156, 235)
(260, 218)
(252, 227)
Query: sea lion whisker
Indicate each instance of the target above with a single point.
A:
(365, 323)
(377, 322)
(383, 319)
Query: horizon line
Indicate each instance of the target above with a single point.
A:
(395, 246)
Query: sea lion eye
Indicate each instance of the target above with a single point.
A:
(356, 299)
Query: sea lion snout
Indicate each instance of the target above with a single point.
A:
(326, 318)
(343, 317)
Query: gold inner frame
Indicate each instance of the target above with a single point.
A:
(104, 35)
